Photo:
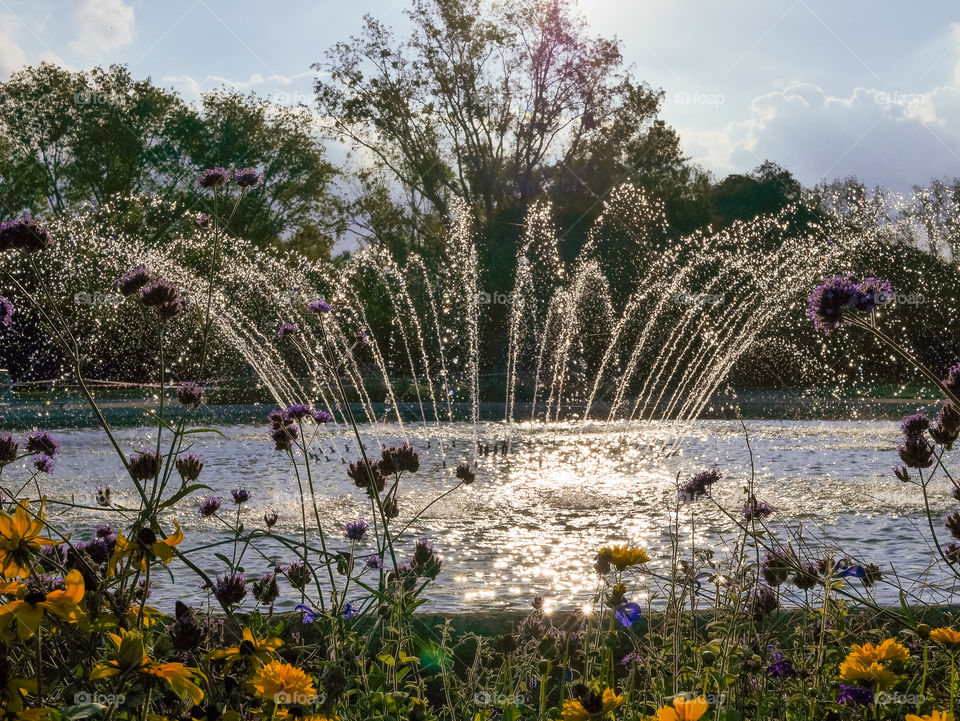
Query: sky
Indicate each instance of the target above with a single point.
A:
(827, 89)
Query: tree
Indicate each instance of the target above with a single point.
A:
(99, 137)
(296, 198)
(86, 137)
(499, 104)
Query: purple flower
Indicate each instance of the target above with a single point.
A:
(828, 301)
(627, 613)
(284, 436)
(914, 425)
(44, 464)
(298, 575)
(143, 465)
(202, 220)
(6, 312)
(240, 495)
(191, 394)
(356, 530)
(213, 178)
(806, 578)
(699, 486)
(754, 509)
(901, 473)
(465, 473)
(133, 280)
(873, 292)
(270, 519)
(319, 306)
(916, 453)
(855, 696)
(373, 562)
(764, 600)
(952, 381)
(43, 443)
(288, 329)
(320, 416)
(230, 589)
(398, 459)
(247, 178)
(189, 466)
(162, 295)
(266, 589)
(8, 449)
(24, 234)
(781, 667)
(210, 505)
(946, 429)
(297, 412)
(349, 611)
(362, 337)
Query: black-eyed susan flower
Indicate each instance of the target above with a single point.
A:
(282, 683)
(590, 704)
(946, 636)
(623, 557)
(250, 649)
(888, 650)
(873, 673)
(20, 538)
(683, 709)
(27, 613)
(932, 716)
(144, 548)
(132, 660)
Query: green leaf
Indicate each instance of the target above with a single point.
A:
(387, 659)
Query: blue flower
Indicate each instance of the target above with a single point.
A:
(627, 613)
(350, 611)
(309, 615)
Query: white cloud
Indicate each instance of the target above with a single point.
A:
(887, 138)
(12, 56)
(102, 25)
(282, 89)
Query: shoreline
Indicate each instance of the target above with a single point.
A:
(22, 414)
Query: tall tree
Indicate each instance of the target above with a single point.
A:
(497, 103)
(102, 138)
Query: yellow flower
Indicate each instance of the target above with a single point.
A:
(869, 674)
(258, 652)
(20, 538)
(144, 548)
(591, 705)
(27, 612)
(683, 709)
(888, 650)
(622, 557)
(133, 659)
(282, 683)
(946, 636)
(932, 716)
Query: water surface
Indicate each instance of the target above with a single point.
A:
(531, 521)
